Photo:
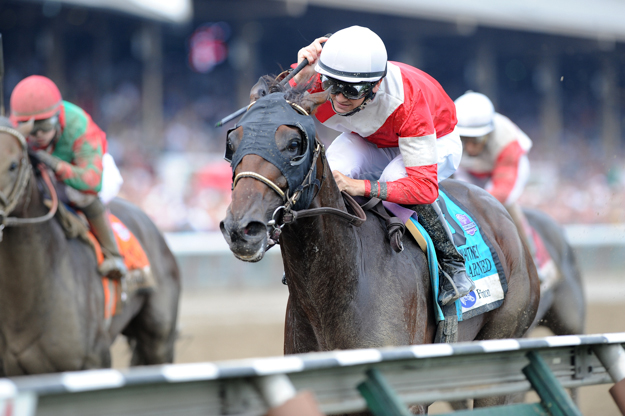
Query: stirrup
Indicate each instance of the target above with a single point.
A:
(113, 268)
(447, 296)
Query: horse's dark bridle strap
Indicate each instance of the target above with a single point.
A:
(355, 220)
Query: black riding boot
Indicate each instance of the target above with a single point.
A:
(113, 265)
(454, 283)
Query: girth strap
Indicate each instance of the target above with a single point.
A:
(395, 228)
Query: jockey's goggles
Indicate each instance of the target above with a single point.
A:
(349, 90)
(45, 125)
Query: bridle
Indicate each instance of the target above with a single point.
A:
(288, 214)
(10, 201)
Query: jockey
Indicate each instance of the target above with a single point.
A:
(398, 137)
(65, 138)
(495, 154)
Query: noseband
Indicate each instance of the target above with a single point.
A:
(10, 201)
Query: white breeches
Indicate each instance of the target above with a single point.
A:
(355, 157)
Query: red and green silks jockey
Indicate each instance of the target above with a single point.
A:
(79, 148)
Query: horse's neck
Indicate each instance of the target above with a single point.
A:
(321, 253)
(28, 252)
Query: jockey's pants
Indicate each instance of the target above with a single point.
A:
(357, 158)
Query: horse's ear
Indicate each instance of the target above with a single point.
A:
(282, 75)
(26, 128)
(260, 89)
(311, 102)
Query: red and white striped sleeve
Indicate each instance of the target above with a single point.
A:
(417, 145)
(506, 171)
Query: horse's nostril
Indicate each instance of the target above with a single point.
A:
(254, 229)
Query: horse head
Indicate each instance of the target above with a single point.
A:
(14, 167)
(272, 151)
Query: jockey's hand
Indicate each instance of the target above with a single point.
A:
(310, 52)
(354, 187)
(47, 159)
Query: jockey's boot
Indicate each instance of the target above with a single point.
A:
(454, 283)
(113, 265)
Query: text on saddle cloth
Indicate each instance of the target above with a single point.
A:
(481, 259)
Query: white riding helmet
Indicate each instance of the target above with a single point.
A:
(353, 55)
(475, 114)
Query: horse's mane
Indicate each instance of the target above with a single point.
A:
(293, 94)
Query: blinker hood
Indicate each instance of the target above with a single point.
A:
(260, 123)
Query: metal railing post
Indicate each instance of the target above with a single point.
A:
(379, 395)
(552, 394)
(612, 357)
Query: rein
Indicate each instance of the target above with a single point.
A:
(10, 201)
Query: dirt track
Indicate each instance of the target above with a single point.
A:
(220, 325)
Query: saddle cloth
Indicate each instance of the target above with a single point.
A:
(481, 259)
(139, 271)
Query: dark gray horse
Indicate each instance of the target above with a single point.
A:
(51, 296)
(347, 287)
(562, 306)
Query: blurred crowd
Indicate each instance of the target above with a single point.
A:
(186, 186)
(182, 181)
(576, 184)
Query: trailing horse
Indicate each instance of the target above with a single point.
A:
(347, 287)
(52, 299)
(562, 306)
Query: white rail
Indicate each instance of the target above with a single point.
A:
(418, 374)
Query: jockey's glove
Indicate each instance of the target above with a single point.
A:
(47, 159)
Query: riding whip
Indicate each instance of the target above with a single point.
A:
(1, 78)
(282, 83)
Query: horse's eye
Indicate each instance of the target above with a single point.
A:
(229, 144)
(293, 145)
(13, 166)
